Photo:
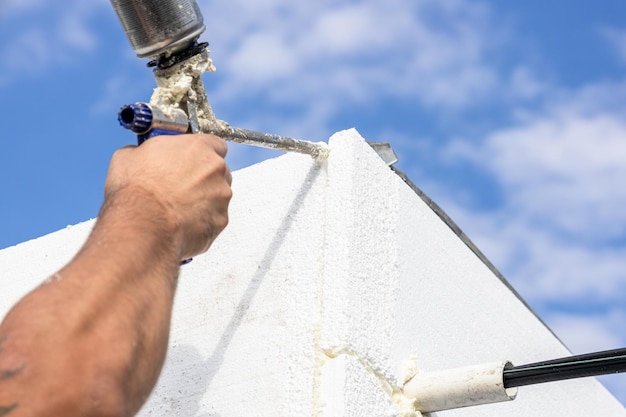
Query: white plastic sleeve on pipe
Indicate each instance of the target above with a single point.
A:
(462, 387)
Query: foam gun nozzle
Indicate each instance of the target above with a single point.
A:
(147, 121)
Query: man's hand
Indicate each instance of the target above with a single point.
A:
(186, 176)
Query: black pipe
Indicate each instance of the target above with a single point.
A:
(590, 364)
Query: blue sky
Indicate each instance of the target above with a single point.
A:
(511, 115)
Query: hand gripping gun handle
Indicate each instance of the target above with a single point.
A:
(147, 121)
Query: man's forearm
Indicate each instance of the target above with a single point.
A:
(91, 340)
(104, 318)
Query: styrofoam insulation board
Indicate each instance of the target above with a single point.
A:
(337, 256)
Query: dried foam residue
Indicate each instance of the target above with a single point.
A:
(406, 406)
(174, 84)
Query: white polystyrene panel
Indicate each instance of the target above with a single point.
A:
(327, 279)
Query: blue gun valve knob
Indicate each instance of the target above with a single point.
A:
(136, 117)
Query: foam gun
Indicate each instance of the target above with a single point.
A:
(167, 32)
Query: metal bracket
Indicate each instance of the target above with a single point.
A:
(383, 149)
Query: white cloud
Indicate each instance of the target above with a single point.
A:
(342, 53)
(316, 59)
(547, 269)
(566, 168)
(349, 30)
(590, 332)
(559, 233)
(261, 58)
(47, 34)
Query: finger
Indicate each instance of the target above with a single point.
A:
(217, 143)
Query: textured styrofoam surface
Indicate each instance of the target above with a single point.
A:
(339, 256)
